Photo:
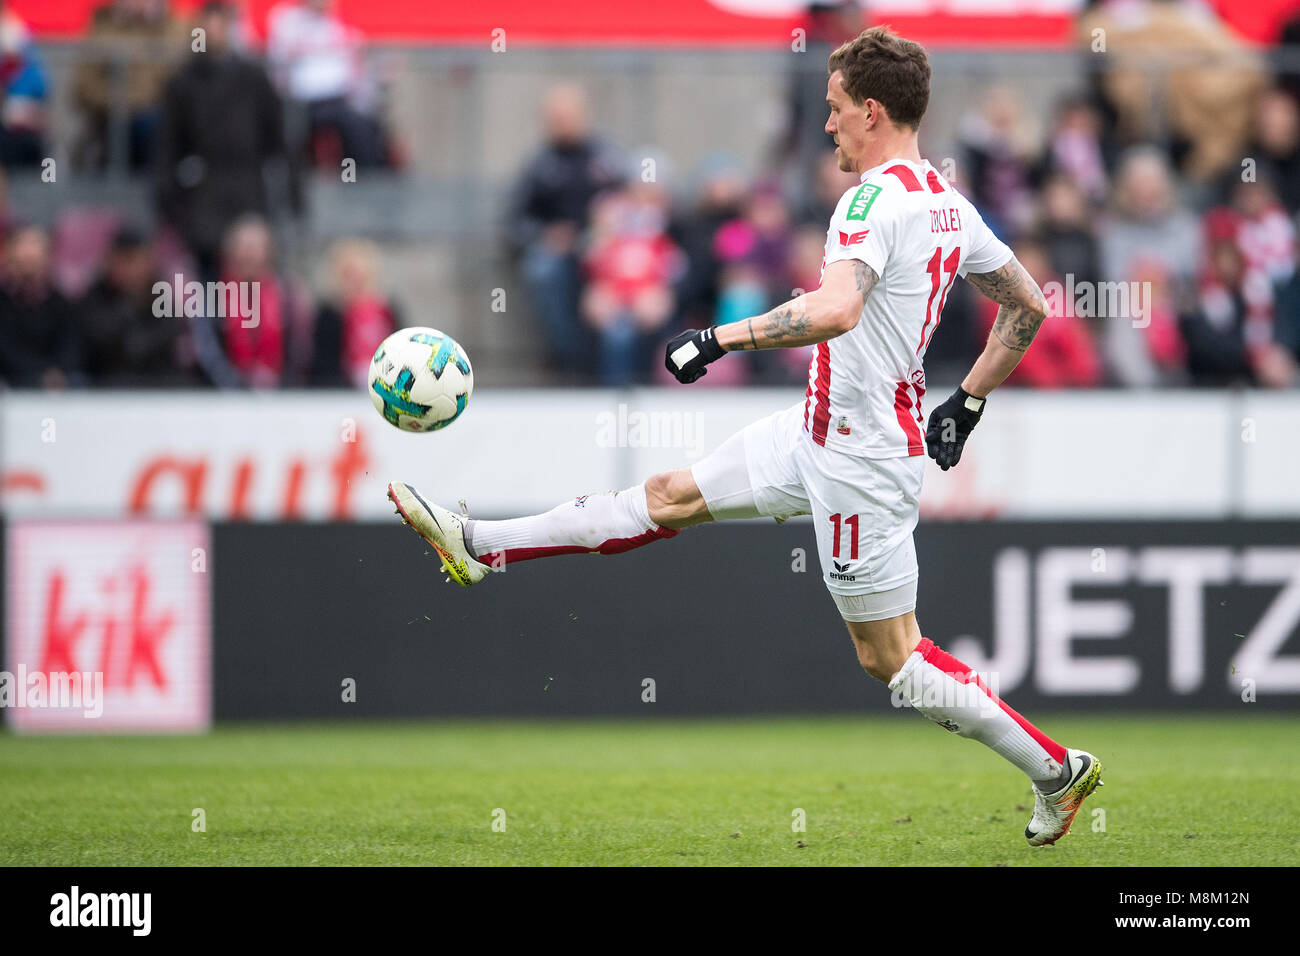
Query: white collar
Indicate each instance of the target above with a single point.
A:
(892, 162)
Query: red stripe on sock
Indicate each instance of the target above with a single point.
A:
(933, 654)
(612, 546)
(619, 545)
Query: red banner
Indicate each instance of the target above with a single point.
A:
(725, 23)
(754, 23)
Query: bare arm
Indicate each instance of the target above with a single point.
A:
(1021, 310)
(817, 316)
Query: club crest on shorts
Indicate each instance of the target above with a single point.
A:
(842, 425)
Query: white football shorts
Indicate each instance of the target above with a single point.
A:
(864, 509)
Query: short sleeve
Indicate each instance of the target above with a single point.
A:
(862, 228)
(987, 251)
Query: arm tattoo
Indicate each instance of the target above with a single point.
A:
(865, 277)
(1021, 306)
(776, 328)
(785, 322)
(789, 325)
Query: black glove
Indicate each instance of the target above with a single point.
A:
(949, 426)
(688, 353)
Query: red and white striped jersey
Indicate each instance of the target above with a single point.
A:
(918, 233)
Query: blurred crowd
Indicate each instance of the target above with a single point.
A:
(223, 132)
(1156, 205)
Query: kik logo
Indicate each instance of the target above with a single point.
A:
(130, 632)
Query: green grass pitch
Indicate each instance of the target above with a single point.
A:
(895, 790)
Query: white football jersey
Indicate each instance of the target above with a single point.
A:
(918, 233)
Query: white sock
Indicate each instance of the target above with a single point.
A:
(607, 523)
(944, 690)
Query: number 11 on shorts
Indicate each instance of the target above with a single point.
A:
(852, 522)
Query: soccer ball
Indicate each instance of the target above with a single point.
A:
(420, 380)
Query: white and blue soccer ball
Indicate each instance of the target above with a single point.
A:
(420, 380)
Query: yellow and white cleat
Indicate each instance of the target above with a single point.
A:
(1054, 812)
(443, 530)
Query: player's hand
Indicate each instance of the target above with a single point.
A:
(688, 353)
(949, 426)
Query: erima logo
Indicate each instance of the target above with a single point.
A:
(838, 574)
(852, 240)
(102, 909)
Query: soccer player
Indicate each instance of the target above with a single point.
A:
(851, 454)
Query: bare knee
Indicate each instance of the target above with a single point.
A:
(674, 499)
(884, 646)
(876, 661)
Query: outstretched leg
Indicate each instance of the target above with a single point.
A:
(608, 523)
(721, 486)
